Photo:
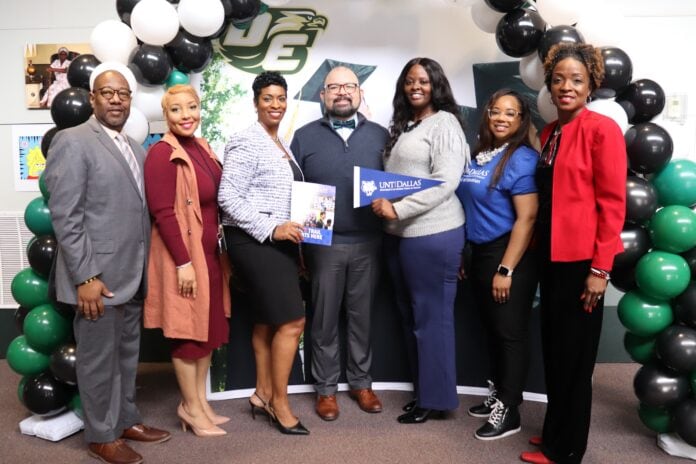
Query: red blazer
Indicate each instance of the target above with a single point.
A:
(588, 201)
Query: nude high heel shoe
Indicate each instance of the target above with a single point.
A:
(187, 422)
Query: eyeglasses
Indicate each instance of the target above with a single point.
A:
(508, 114)
(108, 93)
(336, 88)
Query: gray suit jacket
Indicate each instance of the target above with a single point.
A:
(99, 217)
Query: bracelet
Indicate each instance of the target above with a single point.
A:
(90, 280)
(600, 273)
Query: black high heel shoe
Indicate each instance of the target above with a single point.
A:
(254, 407)
(409, 406)
(297, 429)
(419, 415)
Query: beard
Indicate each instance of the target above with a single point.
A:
(342, 112)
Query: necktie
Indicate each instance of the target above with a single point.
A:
(125, 148)
(349, 124)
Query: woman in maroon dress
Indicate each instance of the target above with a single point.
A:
(188, 295)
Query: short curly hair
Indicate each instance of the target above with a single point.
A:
(586, 54)
(265, 79)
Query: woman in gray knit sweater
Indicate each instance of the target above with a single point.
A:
(425, 231)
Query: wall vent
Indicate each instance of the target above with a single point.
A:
(14, 237)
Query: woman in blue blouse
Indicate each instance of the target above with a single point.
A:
(500, 201)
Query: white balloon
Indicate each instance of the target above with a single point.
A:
(112, 40)
(275, 3)
(560, 12)
(155, 22)
(546, 108)
(608, 107)
(149, 101)
(485, 17)
(462, 3)
(115, 66)
(532, 71)
(201, 18)
(137, 126)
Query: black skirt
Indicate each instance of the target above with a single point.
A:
(269, 274)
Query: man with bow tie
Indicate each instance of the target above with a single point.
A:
(344, 275)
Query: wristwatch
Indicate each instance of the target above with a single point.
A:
(504, 271)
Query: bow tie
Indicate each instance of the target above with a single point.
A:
(349, 124)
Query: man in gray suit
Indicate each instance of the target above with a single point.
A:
(102, 226)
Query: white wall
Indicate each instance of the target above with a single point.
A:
(659, 37)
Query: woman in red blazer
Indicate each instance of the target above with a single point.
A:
(581, 179)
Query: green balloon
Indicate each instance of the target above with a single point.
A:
(642, 315)
(29, 289)
(45, 329)
(176, 77)
(43, 187)
(662, 275)
(20, 389)
(656, 419)
(673, 229)
(676, 183)
(75, 405)
(641, 349)
(37, 217)
(24, 360)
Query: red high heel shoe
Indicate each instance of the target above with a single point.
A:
(535, 457)
(535, 440)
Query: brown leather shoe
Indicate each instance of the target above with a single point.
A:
(367, 400)
(115, 452)
(141, 432)
(327, 407)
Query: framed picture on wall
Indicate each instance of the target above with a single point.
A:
(46, 71)
(27, 159)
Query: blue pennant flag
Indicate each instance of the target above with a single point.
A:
(369, 184)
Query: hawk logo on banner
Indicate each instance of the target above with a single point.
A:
(277, 40)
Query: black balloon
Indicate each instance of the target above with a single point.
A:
(658, 387)
(71, 107)
(47, 139)
(504, 6)
(80, 69)
(190, 53)
(603, 93)
(624, 278)
(64, 309)
(124, 8)
(649, 147)
(641, 199)
(636, 242)
(41, 253)
(19, 315)
(518, 32)
(558, 34)
(676, 348)
(244, 11)
(647, 98)
(618, 69)
(684, 420)
(690, 257)
(62, 363)
(684, 306)
(628, 108)
(44, 395)
(150, 64)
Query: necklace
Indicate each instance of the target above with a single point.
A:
(484, 157)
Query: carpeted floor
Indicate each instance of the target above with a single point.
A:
(617, 436)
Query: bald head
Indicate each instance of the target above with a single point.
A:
(341, 94)
(111, 99)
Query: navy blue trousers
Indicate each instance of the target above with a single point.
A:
(424, 274)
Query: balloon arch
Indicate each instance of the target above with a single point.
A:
(157, 44)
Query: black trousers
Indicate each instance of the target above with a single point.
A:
(570, 337)
(507, 323)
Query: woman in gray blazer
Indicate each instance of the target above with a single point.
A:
(262, 242)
